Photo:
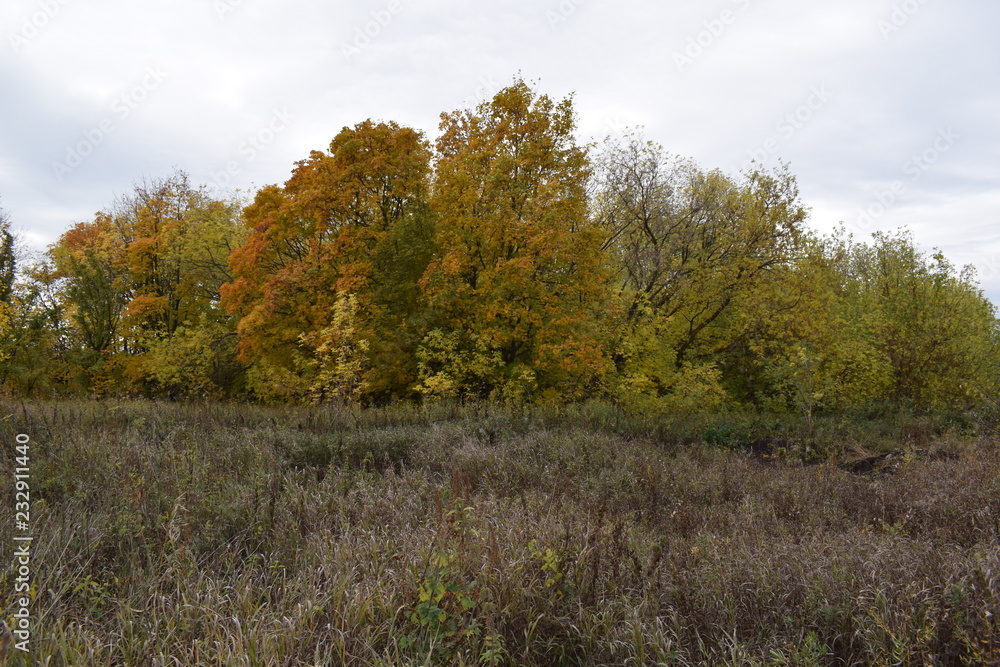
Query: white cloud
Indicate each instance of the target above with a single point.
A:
(229, 72)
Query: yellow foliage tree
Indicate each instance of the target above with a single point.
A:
(340, 354)
(517, 282)
(691, 252)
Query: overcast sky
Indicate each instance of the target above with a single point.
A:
(886, 110)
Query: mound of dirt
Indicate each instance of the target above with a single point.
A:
(770, 449)
(889, 462)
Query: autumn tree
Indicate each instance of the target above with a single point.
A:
(7, 272)
(175, 241)
(860, 324)
(930, 321)
(87, 258)
(36, 343)
(809, 344)
(350, 226)
(32, 338)
(517, 279)
(8, 258)
(142, 282)
(690, 250)
(507, 263)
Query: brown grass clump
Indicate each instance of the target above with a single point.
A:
(170, 534)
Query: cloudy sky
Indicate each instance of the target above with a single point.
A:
(886, 110)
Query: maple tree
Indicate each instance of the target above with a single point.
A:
(145, 274)
(517, 280)
(505, 262)
(350, 223)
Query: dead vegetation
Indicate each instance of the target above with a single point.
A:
(237, 535)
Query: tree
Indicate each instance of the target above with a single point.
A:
(88, 260)
(933, 323)
(31, 336)
(810, 346)
(37, 341)
(351, 221)
(339, 354)
(175, 243)
(145, 275)
(7, 273)
(690, 252)
(8, 258)
(857, 324)
(517, 274)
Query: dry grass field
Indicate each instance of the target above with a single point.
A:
(215, 534)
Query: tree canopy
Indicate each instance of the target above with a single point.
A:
(504, 261)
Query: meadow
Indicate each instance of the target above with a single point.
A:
(232, 534)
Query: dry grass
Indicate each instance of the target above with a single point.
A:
(215, 534)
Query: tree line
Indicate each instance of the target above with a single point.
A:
(506, 261)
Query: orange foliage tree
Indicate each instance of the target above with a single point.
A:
(142, 284)
(350, 226)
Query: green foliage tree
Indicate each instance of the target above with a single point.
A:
(931, 322)
(8, 258)
(7, 273)
(33, 341)
(858, 324)
(32, 338)
(691, 253)
(85, 259)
